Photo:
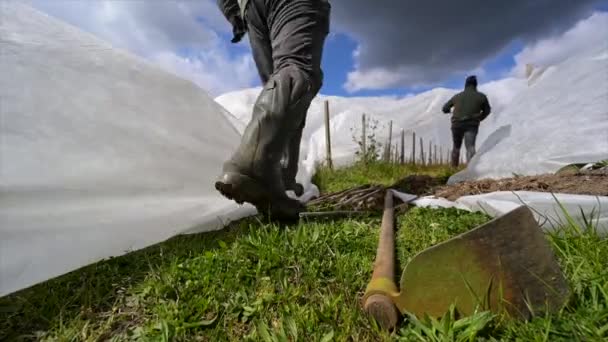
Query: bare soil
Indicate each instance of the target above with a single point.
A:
(418, 184)
(591, 183)
(370, 197)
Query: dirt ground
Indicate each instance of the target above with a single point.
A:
(370, 197)
(418, 184)
(583, 184)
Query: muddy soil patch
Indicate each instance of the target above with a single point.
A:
(581, 184)
(419, 184)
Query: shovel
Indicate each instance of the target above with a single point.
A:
(505, 266)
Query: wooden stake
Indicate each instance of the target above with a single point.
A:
(390, 132)
(421, 152)
(430, 153)
(435, 154)
(402, 157)
(414, 148)
(390, 137)
(387, 147)
(396, 154)
(328, 136)
(363, 137)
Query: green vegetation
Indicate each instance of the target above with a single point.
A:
(582, 253)
(375, 173)
(261, 282)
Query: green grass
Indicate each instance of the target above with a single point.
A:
(582, 254)
(376, 173)
(261, 282)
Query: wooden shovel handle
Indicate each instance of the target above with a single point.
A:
(384, 266)
(377, 301)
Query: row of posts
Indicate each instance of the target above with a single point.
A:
(393, 153)
(433, 154)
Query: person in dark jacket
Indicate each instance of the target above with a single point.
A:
(287, 39)
(470, 108)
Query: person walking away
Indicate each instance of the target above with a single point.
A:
(470, 108)
(287, 39)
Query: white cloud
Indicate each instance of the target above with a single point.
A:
(376, 78)
(587, 34)
(432, 41)
(382, 78)
(213, 70)
(183, 37)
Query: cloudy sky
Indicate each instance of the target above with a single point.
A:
(382, 47)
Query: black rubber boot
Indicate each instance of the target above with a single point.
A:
(470, 136)
(287, 38)
(254, 174)
(291, 184)
(455, 158)
(292, 159)
(470, 153)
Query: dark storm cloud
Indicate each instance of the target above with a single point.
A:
(421, 42)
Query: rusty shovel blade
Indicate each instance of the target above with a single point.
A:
(505, 265)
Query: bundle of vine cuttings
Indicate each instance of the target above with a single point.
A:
(368, 197)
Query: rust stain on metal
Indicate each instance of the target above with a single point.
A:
(505, 264)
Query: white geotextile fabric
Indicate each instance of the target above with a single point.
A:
(100, 153)
(561, 119)
(420, 114)
(556, 117)
(545, 206)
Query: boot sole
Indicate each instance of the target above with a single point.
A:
(244, 189)
(241, 189)
(298, 189)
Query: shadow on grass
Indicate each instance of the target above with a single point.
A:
(95, 292)
(95, 289)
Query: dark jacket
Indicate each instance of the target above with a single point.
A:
(469, 105)
(231, 8)
(233, 11)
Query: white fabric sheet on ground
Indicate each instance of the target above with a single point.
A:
(561, 119)
(100, 152)
(545, 206)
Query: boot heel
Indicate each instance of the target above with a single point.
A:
(241, 188)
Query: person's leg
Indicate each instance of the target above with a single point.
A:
(259, 39)
(457, 136)
(292, 160)
(297, 33)
(470, 135)
(293, 46)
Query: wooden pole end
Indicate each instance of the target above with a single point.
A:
(383, 310)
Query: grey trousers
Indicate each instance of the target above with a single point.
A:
(289, 34)
(467, 132)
